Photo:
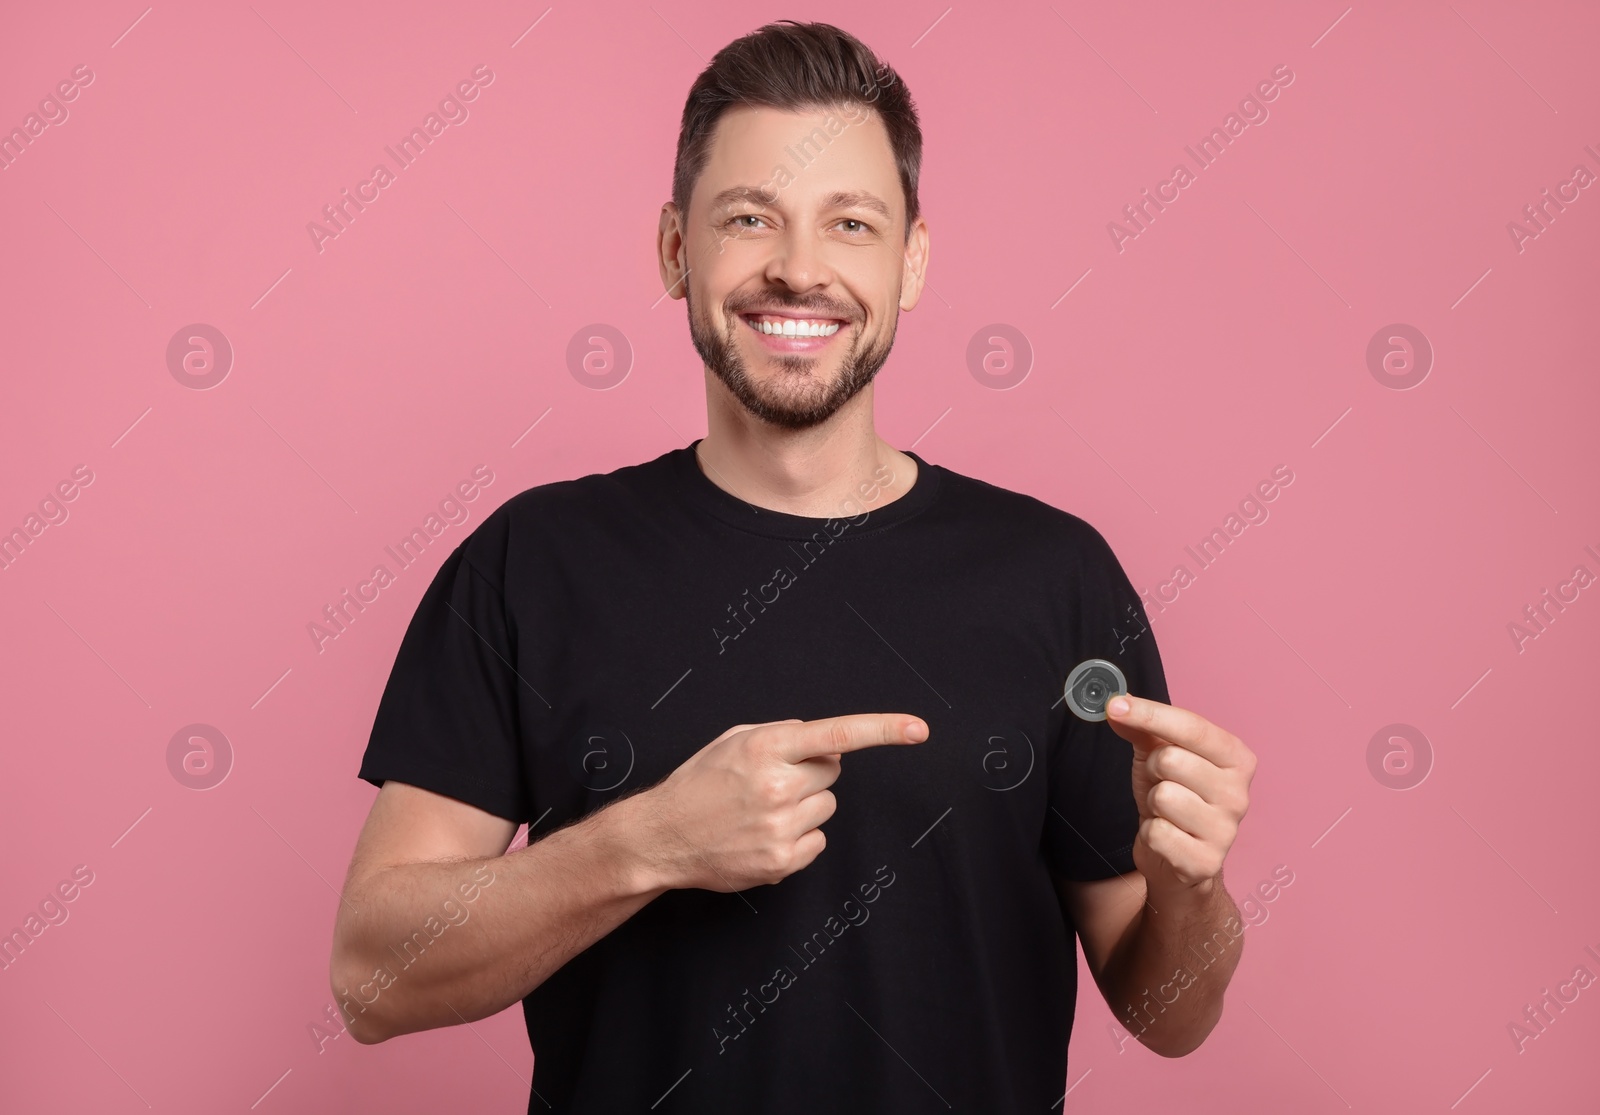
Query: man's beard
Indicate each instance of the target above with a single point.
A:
(796, 399)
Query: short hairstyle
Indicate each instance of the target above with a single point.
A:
(797, 67)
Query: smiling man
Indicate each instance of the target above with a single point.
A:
(680, 671)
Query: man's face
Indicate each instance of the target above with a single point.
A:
(797, 224)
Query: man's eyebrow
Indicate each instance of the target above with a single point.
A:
(844, 199)
(839, 199)
(734, 195)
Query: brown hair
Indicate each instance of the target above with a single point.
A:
(795, 67)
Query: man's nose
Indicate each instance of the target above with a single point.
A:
(799, 261)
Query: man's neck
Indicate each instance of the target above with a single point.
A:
(832, 474)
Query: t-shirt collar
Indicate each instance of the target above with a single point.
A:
(704, 493)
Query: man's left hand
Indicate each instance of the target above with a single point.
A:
(1191, 780)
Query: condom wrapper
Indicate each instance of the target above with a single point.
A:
(1091, 685)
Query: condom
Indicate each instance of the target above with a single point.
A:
(1091, 684)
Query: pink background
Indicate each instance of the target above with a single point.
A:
(1228, 338)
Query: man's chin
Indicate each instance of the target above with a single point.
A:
(765, 366)
(764, 397)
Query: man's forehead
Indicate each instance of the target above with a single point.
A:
(758, 154)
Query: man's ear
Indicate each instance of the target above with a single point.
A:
(915, 266)
(671, 251)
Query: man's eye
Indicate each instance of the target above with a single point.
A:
(860, 227)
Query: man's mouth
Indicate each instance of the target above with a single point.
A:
(792, 336)
(780, 326)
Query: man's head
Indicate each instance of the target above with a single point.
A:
(794, 197)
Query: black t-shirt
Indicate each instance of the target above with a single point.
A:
(590, 635)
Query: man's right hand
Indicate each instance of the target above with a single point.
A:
(743, 811)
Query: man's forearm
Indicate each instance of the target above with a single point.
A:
(1169, 972)
(432, 944)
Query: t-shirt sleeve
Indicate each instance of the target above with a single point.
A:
(1093, 818)
(448, 718)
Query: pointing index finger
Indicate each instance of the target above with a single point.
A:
(836, 735)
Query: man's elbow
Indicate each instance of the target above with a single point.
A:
(1172, 1047)
(357, 1001)
(1180, 1043)
(366, 1030)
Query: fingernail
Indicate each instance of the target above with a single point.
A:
(917, 732)
(1118, 706)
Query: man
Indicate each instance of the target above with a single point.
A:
(680, 671)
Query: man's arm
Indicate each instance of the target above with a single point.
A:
(1163, 966)
(437, 926)
(1163, 940)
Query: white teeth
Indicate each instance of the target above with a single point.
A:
(792, 328)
